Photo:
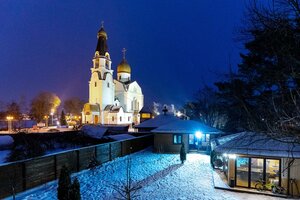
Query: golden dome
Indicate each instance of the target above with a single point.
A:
(124, 67)
(102, 33)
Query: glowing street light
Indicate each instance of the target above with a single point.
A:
(9, 123)
(198, 135)
(179, 114)
(46, 117)
(52, 113)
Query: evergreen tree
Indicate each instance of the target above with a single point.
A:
(64, 184)
(63, 120)
(74, 193)
(182, 153)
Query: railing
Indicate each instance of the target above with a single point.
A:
(19, 176)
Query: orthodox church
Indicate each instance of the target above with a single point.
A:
(111, 101)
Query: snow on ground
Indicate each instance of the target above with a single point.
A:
(121, 137)
(6, 141)
(3, 155)
(160, 175)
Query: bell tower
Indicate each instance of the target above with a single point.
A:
(101, 85)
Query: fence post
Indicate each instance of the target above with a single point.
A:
(121, 149)
(77, 160)
(55, 166)
(110, 152)
(23, 176)
(95, 152)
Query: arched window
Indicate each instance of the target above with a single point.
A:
(112, 118)
(95, 84)
(97, 63)
(120, 119)
(108, 85)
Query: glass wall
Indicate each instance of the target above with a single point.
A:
(272, 171)
(242, 171)
(257, 170)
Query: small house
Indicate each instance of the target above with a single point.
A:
(156, 122)
(252, 157)
(169, 137)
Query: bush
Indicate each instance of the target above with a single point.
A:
(74, 193)
(64, 184)
(182, 153)
(218, 163)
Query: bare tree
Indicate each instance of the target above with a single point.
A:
(127, 190)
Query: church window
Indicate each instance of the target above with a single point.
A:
(128, 118)
(108, 85)
(106, 64)
(112, 118)
(120, 119)
(95, 84)
(97, 63)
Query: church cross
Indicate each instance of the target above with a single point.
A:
(124, 52)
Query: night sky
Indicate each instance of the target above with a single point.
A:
(173, 47)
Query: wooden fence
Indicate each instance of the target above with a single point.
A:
(22, 175)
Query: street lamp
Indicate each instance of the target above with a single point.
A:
(46, 117)
(52, 113)
(9, 123)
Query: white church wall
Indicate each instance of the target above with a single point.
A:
(108, 91)
(95, 88)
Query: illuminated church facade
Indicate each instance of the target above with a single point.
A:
(111, 101)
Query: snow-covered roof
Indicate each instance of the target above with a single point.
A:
(6, 141)
(93, 131)
(158, 121)
(258, 144)
(113, 108)
(185, 126)
(121, 137)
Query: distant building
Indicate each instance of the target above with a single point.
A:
(145, 114)
(111, 101)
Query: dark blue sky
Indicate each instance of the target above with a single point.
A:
(173, 46)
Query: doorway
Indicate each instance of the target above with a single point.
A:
(96, 119)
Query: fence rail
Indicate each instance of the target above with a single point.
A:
(19, 176)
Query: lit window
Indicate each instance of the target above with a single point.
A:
(97, 63)
(177, 139)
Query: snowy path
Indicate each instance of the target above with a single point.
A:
(160, 175)
(192, 181)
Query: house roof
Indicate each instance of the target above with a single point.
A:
(186, 126)
(157, 121)
(258, 144)
(88, 108)
(121, 137)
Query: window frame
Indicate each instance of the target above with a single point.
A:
(177, 135)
